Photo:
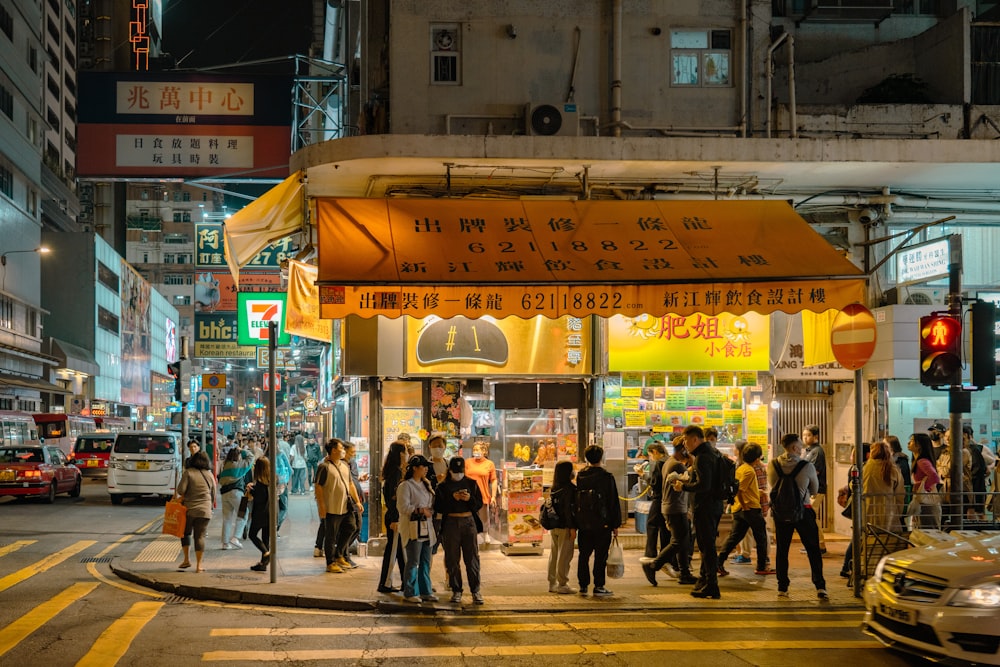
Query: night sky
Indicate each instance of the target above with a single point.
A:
(201, 33)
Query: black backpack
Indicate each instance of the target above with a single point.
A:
(978, 462)
(548, 515)
(786, 501)
(724, 486)
(591, 507)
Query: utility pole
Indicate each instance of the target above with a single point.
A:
(272, 448)
(182, 379)
(959, 401)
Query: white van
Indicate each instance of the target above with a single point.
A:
(144, 463)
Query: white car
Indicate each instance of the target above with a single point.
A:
(940, 601)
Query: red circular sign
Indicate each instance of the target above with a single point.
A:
(853, 336)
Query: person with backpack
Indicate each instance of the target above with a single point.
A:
(558, 516)
(793, 481)
(706, 507)
(598, 516)
(979, 470)
(747, 514)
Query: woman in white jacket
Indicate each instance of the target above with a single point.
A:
(415, 502)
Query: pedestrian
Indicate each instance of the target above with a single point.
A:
(925, 507)
(356, 517)
(598, 516)
(790, 468)
(562, 497)
(283, 469)
(193, 448)
(439, 465)
(815, 454)
(260, 531)
(903, 464)
(980, 466)
(748, 545)
(747, 513)
(314, 454)
(458, 500)
(882, 486)
(657, 536)
(196, 491)
(706, 508)
(415, 504)
(392, 475)
(674, 507)
(334, 496)
(484, 472)
(299, 465)
(232, 481)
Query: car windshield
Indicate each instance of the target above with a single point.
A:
(21, 455)
(94, 445)
(144, 444)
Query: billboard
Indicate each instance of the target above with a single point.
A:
(255, 311)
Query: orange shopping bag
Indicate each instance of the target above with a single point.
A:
(174, 518)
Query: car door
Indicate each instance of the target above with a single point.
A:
(61, 471)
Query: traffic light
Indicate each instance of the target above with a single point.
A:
(180, 371)
(983, 346)
(940, 350)
(174, 371)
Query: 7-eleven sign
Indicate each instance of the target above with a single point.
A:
(255, 311)
(266, 386)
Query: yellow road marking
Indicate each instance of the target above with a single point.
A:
(410, 652)
(116, 639)
(92, 568)
(149, 525)
(111, 546)
(16, 632)
(49, 561)
(11, 548)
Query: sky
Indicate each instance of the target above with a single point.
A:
(201, 33)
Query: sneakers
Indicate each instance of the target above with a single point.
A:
(646, 560)
(687, 580)
(333, 567)
(583, 591)
(565, 590)
(723, 572)
(846, 574)
(822, 594)
(259, 567)
(456, 597)
(783, 594)
(765, 572)
(477, 597)
(317, 552)
(602, 592)
(671, 571)
(650, 573)
(429, 598)
(235, 543)
(740, 559)
(415, 599)
(225, 546)
(706, 594)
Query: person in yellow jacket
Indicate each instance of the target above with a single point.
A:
(747, 515)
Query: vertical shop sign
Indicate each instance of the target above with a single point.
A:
(524, 498)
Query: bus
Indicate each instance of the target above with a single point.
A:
(113, 424)
(17, 428)
(61, 429)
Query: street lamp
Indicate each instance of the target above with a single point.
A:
(3, 261)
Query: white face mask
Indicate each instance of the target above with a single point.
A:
(437, 452)
(477, 455)
(458, 476)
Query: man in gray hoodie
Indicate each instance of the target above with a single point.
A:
(675, 510)
(807, 485)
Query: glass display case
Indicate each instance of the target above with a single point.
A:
(537, 437)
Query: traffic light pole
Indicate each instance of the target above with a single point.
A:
(184, 405)
(958, 400)
(272, 452)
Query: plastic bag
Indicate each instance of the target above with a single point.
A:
(616, 561)
(174, 518)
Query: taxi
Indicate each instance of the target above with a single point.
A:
(91, 451)
(37, 470)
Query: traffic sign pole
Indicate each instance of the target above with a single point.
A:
(955, 394)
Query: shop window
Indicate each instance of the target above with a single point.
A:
(700, 58)
(446, 54)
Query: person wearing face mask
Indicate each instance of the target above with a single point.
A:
(438, 462)
(482, 471)
(458, 500)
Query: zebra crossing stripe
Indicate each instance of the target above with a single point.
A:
(46, 563)
(11, 548)
(16, 632)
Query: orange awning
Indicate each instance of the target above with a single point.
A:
(419, 257)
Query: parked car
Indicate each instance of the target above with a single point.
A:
(144, 463)
(37, 470)
(91, 452)
(940, 601)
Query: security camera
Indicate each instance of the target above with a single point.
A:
(866, 216)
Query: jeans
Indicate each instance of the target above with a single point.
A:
(232, 524)
(560, 556)
(299, 480)
(259, 525)
(677, 552)
(746, 520)
(417, 575)
(808, 533)
(657, 535)
(595, 542)
(458, 536)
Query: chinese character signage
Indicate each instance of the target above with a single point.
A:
(181, 124)
(920, 263)
(692, 343)
(255, 312)
(485, 346)
(209, 253)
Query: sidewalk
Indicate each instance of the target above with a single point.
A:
(510, 583)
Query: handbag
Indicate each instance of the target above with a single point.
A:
(616, 561)
(174, 518)
(244, 504)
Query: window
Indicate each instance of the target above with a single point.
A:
(700, 58)
(33, 59)
(6, 312)
(6, 102)
(173, 278)
(107, 320)
(446, 54)
(185, 196)
(107, 277)
(6, 181)
(6, 22)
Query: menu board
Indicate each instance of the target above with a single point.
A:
(524, 498)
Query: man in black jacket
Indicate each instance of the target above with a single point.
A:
(706, 508)
(598, 515)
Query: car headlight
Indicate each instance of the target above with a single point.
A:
(983, 595)
(877, 575)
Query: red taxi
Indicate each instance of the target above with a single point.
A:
(91, 452)
(37, 470)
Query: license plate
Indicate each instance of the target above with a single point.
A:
(142, 465)
(92, 463)
(895, 613)
(6, 475)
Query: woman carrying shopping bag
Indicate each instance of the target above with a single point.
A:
(197, 491)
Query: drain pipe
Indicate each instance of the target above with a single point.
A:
(770, 76)
(616, 68)
(746, 36)
(791, 88)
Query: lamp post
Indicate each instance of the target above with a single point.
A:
(3, 261)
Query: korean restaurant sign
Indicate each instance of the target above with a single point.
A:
(255, 312)
(555, 258)
(689, 343)
(215, 337)
(486, 346)
(209, 252)
(181, 124)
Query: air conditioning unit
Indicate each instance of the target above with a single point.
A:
(917, 296)
(552, 120)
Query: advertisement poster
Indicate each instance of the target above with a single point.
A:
(757, 426)
(401, 420)
(524, 497)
